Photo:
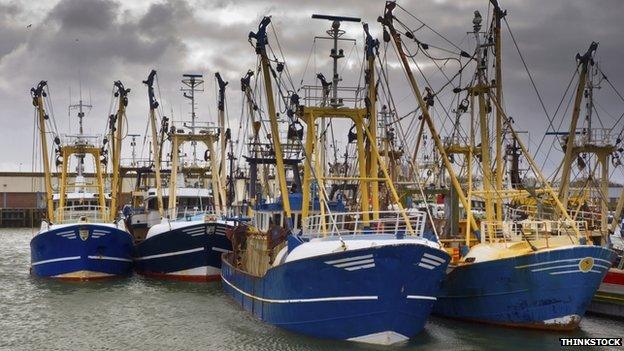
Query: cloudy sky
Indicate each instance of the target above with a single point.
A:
(94, 42)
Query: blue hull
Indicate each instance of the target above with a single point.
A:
(316, 297)
(545, 290)
(65, 252)
(175, 253)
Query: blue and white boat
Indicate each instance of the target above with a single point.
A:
(81, 238)
(372, 283)
(186, 241)
(188, 247)
(82, 249)
(537, 282)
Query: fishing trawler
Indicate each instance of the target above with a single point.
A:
(83, 236)
(188, 239)
(515, 271)
(307, 264)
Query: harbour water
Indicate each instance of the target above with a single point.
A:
(145, 314)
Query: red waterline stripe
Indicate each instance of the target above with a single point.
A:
(184, 278)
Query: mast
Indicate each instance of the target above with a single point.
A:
(155, 145)
(222, 132)
(122, 94)
(38, 94)
(584, 62)
(498, 16)
(481, 89)
(261, 42)
(387, 22)
(371, 106)
(194, 82)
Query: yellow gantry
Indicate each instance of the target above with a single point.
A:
(209, 139)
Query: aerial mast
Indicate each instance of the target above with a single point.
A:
(193, 83)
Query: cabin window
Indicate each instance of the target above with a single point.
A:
(297, 219)
(277, 219)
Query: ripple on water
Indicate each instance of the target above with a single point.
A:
(148, 314)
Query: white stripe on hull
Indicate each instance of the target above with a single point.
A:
(110, 258)
(318, 299)
(559, 261)
(355, 258)
(354, 263)
(176, 253)
(71, 258)
(434, 257)
(421, 297)
(574, 271)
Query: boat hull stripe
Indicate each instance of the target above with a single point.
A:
(110, 258)
(318, 299)
(354, 263)
(424, 265)
(71, 258)
(421, 297)
(355, 258)
(169, 254)
(434, 257)
(360, 267)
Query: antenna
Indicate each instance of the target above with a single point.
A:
(133, 146)
(193, 83)
(334, 34)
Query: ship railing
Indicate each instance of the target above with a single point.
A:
(82, 213)
(350, 223)
(349, 96)
(516, 231)
(197, 127)
(82, 140)
(592, 219)
(137, 162)
(594, 136)
(189, 212)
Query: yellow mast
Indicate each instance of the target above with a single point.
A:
(481, 89)
(37, 95)
(371, 105)
(386, 21)
(222, 135)
(569, 152)
(122, 94)
(261, 42)
(155, 147)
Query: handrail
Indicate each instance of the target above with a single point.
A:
(350, 223)
(517, 231)
(82, 213)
